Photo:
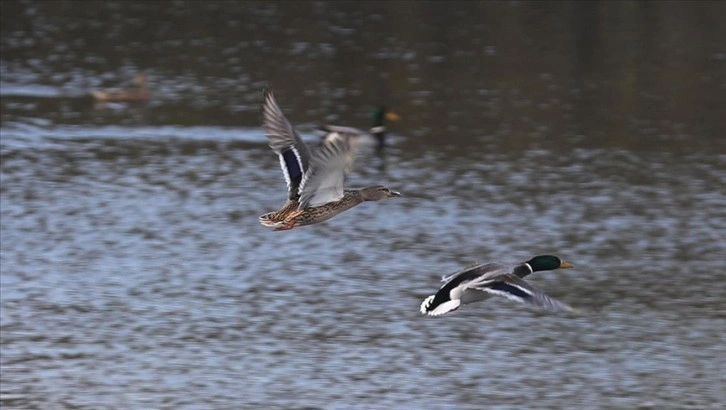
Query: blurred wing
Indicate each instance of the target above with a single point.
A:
(512, 287)
(343, 130)
(282, 138)
(334, 132)
(324, 180)
(477, 274)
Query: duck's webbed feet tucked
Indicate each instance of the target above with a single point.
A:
(284, 226)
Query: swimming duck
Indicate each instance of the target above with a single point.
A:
(375, 137)
(138, 91)
(315, 191)
(480, 281)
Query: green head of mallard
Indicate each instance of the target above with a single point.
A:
(381, 115)
(548, 262)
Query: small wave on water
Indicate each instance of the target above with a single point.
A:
(134, 273)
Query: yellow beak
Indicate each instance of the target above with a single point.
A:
(392, 116)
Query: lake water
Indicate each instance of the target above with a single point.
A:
(135, 274)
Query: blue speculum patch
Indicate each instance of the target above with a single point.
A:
(513, 290)
(293, 165)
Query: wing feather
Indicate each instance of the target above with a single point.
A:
(514, 288)
(324, 180)
(358, 136)
(476, 273)
(287, 144)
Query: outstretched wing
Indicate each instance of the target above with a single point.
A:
(282, 138)
(333, 132)
(476, 273)
(360, 137)
(323, 182)
(512, 287)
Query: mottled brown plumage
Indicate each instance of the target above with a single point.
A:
(291, 215)
(315, 182)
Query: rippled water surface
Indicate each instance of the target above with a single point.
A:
(135, 274)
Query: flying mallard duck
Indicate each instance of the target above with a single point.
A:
(315, 190)
(376, 136)
(138, 91)
(479, 282)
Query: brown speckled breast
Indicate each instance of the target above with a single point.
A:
(313, 215)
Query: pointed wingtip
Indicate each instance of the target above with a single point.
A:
(576, 310)
(267, 92)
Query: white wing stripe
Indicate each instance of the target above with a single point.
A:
(505, 294)
(285, 172)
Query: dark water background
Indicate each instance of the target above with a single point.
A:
(135, 274)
